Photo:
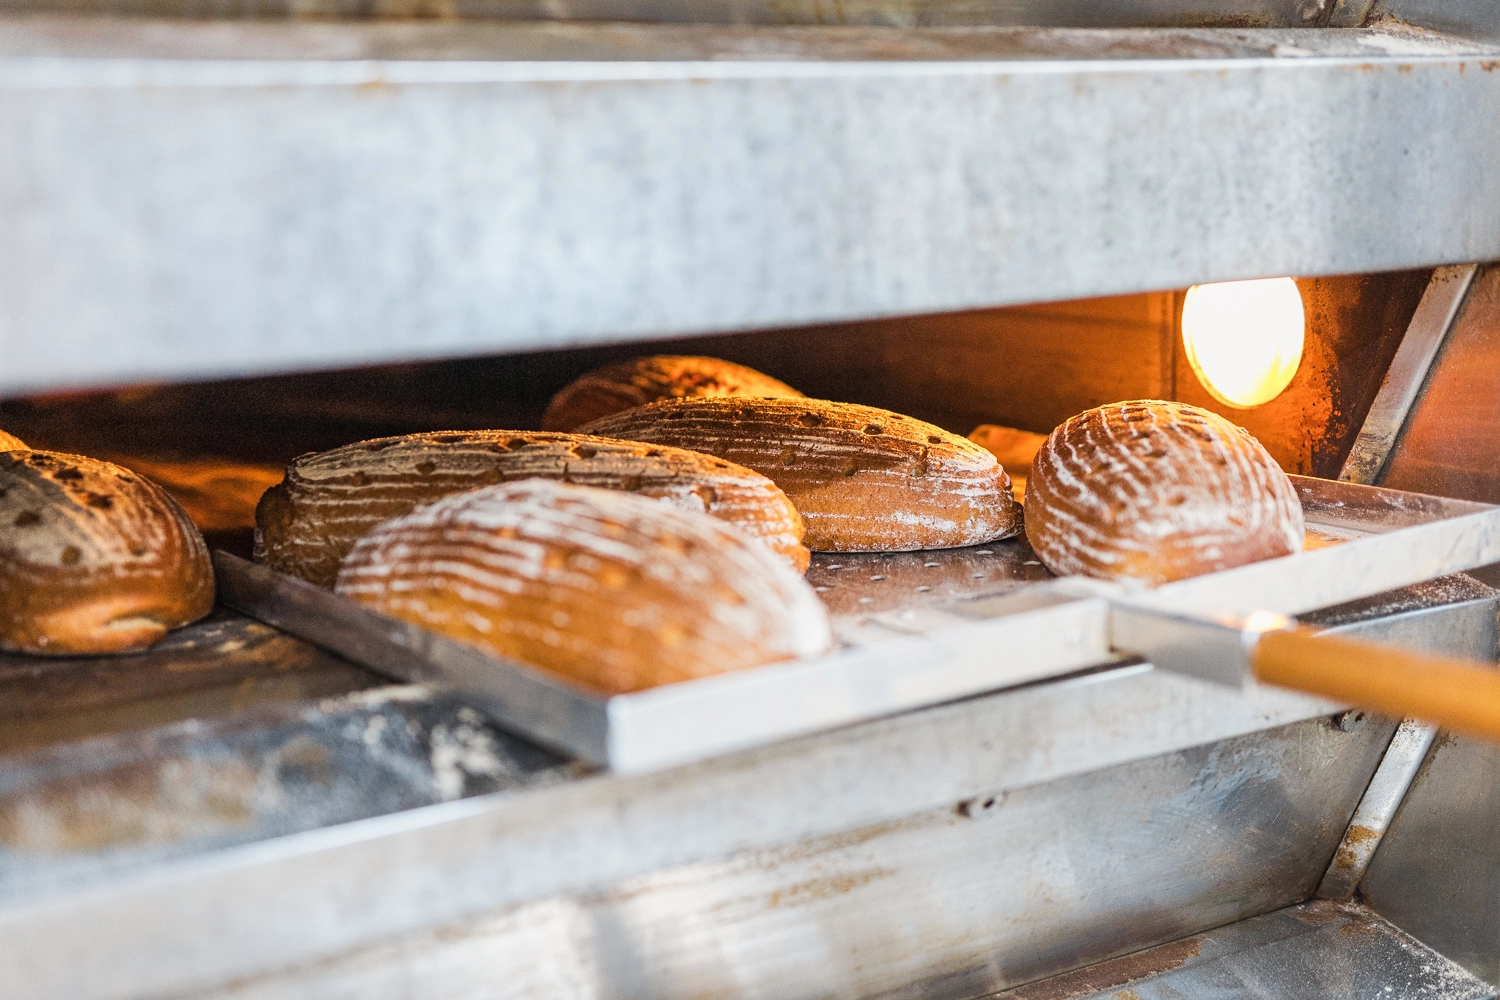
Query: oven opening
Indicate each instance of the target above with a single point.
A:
(1005, 377)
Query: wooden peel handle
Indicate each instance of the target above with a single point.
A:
(1462, 695)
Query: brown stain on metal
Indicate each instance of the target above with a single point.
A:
(828, 887)
(303, 758)
(1321, 911)
(148, 802)
(772, 859)
(845, 840)
(1113, 974)
(1349, 852)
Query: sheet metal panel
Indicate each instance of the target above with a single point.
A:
(1435, 872)
(197, 199)
(1307, 952)
(302, 899)
(933, 905)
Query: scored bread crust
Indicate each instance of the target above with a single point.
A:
(306, 524)
(865, 479)
(644, 380)
(9, 442)
(93, 557)
(1157, 491)
(611, 590)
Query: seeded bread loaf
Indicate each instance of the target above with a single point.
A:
(1157, 491)
(611, 590)
(306, 524)
(644, 380)
(9, 442)
(865, 480)
(93, 558)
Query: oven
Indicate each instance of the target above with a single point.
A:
(244, 234)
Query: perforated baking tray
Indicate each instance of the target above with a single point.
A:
(914, 629)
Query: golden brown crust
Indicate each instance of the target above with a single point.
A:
(93, 558)
(1157, 491)
(307, 524)
(611, 590)
(9, 442)
(644, 380)
(865, 480)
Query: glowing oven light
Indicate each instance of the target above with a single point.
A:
(1244, 338)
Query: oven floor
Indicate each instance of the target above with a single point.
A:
(1318, 951)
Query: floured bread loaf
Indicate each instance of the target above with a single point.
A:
(9, 442)
(93, 558)
(1157, 491)
(865, 480)
(612, 590)
(644, 380)
(307, 523)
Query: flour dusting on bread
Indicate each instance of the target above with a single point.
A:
(1157, 491)
(864, 479)
(612, 590)
(307, 524)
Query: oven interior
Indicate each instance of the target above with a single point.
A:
(1028, 367)
(231, 734)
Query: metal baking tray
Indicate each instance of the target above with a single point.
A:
(914, 629)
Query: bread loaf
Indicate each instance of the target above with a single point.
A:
(307, 523)
(9, 442)
(644, 380)
(865, 480)
(1157, 491)
(614, 591)
(93, 558)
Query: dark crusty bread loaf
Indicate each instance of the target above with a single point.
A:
(93, 558)
(865, 480)
(307, 523)
(9, 442)
(614, 591)
(645, 380)
(1157, 491)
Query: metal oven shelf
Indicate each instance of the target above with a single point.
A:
(917, 629)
